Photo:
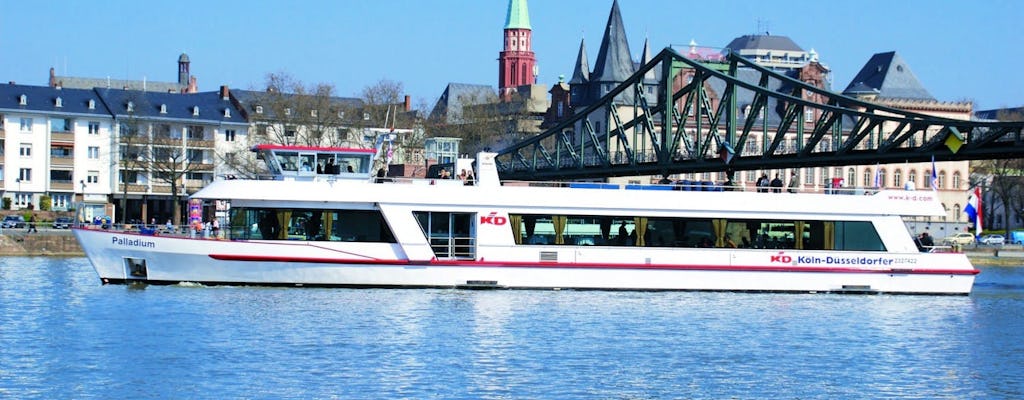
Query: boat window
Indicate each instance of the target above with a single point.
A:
(288, 160)
(307, 163)
(309, 224)
(582, 230)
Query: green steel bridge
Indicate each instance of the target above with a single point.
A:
(736, 115)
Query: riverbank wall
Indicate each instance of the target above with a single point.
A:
(61, 243)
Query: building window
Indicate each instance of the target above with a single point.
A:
(195, 132)
(130, 107)
(287, 111)
(897, 178)
(942, 180)
(25, 174)
(26, 124)
(163, 109)
(882, 178)
(94, 128)
(313, 113)
(58, 103)
(366, 116)
(23, 199)
(229, 135)
(808, 115)
(912, 177)
(851, 175)
(93, 177)
(868, 177)
(956, 180)
(92, 104)
(809, 176)
(26, 150)
(195, 111)
(259, 109)
(94, 152)
(59, 200)
(23, 100)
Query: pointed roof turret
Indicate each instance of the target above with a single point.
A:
(518, 15)
(886, 75)
(646, 58)
(614, 63)
(582, 72)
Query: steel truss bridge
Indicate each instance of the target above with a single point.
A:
(697, 125)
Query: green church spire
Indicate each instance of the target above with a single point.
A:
(518, 16)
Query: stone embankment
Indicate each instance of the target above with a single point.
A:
(55, 243)
(62, 243)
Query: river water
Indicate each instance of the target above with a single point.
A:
(64, 335)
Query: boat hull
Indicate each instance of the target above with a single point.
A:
(119, 257)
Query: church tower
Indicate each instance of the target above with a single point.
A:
(183, 72)
(517, 64)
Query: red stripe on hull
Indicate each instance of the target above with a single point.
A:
(514, 264)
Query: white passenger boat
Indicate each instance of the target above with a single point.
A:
(333, 224)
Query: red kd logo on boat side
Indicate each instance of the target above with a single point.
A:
(781, 258)
(493, 218)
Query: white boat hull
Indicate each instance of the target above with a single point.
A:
(299, 263)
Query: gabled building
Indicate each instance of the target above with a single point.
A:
(54, 148)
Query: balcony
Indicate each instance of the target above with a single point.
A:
(132, 188)
(197, 143)
(62, 185)
(62, 161)
(63, 137)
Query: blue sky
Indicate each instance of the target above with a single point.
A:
(960, 50)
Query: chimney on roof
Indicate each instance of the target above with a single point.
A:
(11, 83)
(224, 92)
(408, 103)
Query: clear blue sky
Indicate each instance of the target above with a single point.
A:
(960, 50)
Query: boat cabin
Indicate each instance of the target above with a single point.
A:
(309, 163)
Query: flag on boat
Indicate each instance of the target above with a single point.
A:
(973, 209)
(935, 176)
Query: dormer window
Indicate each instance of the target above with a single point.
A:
(59, 102)
(130, 107)
(227, 113)
(366, 116)
(195, 111)
(287, 111)
(163, 109)
(259, 109)
(312, 113)
(92, 104)
(23, 100)
(341, 114)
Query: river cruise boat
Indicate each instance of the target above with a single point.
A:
(326, 220)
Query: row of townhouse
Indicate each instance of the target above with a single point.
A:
(99, 149)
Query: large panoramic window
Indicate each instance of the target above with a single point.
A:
(309, 224)
(590, 230)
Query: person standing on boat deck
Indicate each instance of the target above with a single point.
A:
(776, 184)
(926, 241)
(762, 183)
(269, 228)
(793, 184)
(623, 233)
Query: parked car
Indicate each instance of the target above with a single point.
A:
(14, 221)
(962, 239)
(63, 223)
(1015, 237)
(992, 239)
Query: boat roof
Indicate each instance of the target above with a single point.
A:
(284, 147)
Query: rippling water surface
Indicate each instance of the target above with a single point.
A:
(64, 335)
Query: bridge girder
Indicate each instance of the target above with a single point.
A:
(786, 124)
